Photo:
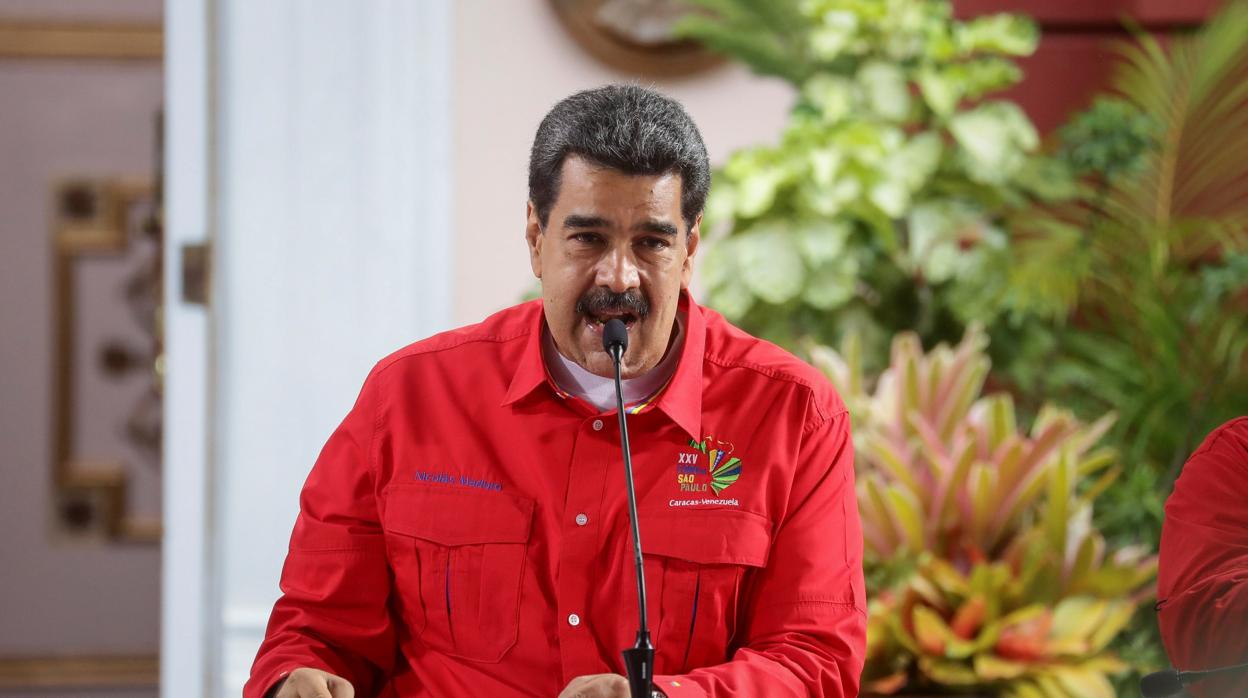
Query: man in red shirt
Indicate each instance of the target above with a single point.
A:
(464, 532)
(1202, 576)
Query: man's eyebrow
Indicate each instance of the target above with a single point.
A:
(575, 221)
(657, 227)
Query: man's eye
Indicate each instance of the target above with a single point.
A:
(656, 243)
(588, 238)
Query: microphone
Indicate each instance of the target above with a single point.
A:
(1160, 684)
(639, 660)
(1170, 682)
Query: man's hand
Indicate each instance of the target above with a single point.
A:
(314, 683)
(597, 686)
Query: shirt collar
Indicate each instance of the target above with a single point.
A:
(530, 372)
(681, 400)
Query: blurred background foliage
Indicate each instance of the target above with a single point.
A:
(1107, 268)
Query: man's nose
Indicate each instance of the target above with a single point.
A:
(617, 270)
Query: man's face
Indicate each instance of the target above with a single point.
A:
(615, 245)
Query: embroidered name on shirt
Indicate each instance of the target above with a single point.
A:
(452, 479)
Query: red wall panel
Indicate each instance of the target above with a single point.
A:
(1075, 58)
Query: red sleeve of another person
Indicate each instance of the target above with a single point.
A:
(1202, 583)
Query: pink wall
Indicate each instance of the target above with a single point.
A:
(62, 118)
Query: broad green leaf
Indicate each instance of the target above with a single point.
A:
(996, 137)
(984, 498)
(940, 93)
(990, 667)
(834, 34)
(1082, 682)
(822, 242)
(881, 453)
(907, 514)
(832, 96)
(832, 284)
(1057, 509)
(948, 673)
(1078, 616)
(930, 631)
(757, 192)
(728, 291)
(1023, 689)
(1116, 618)
(886, 90)
(1001, 33)
(878, 512)
(891, 197)
(770, 264)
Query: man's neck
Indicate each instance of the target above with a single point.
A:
(599, 391)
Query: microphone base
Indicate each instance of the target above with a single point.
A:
(639, 662)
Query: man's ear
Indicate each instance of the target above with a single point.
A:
(533, 236)
(691, 248)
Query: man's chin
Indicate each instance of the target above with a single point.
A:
(599, 363)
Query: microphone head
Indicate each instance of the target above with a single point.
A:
(1160, 684)
(615, 334)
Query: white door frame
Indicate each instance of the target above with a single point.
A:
(310, 142)
(186, 638)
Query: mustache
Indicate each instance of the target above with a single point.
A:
(599, 300)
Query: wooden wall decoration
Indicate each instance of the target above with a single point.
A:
(83, 40)
(99, 218)
(635, 36)
(78, 673)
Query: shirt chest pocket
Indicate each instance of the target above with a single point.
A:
(706, 556)
(458, 560)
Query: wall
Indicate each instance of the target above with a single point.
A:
(1076, 58)
(59, 118)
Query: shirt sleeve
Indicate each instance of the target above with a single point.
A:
(333, 613)
(1203, 571)
(805, 616)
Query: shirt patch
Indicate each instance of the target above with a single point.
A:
(710, 467)
(452, 479)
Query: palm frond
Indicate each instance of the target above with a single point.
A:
(1199, 93)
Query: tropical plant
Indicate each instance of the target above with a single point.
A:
(880, 207)
(984, 567)
(1145, 274)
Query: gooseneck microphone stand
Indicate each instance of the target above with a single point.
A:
(1171, 683)
(639, 661)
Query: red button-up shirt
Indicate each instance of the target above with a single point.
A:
(1202, 576)
(464, 532)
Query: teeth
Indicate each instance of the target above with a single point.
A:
(604, 320)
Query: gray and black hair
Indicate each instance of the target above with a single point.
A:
(627, 128)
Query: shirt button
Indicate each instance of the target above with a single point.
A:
(597, 425)
(574, 620)
(581, 519)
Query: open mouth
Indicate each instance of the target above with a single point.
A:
(596, 321)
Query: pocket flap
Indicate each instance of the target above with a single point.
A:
(707, 536)
(452, 517)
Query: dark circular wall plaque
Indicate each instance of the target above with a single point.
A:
(635, 35)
